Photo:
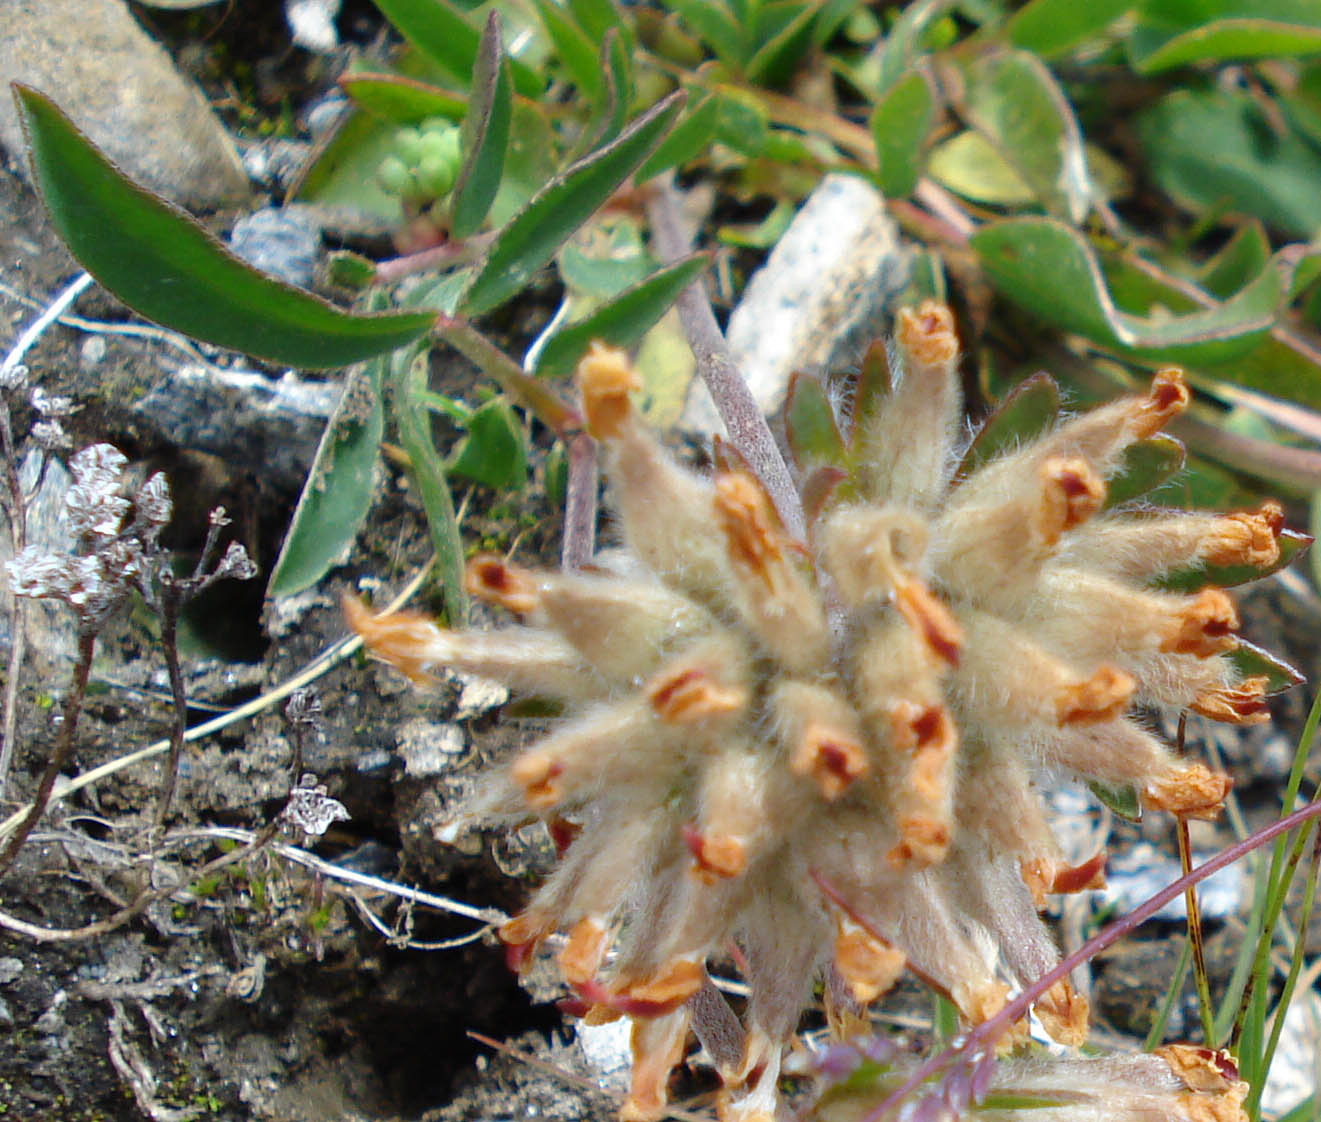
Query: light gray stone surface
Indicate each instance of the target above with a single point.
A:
(122, 89)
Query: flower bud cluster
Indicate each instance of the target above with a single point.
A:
(424, 162)
(821, 757)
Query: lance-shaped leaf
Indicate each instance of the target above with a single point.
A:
(1027, 411)
(532, 236)
(713, 24)
(340, 486)
(485, 135)
(617, 68)
(441, 32)
(689, 137)
(1048, 268)
(809, 423)
(1173, 33)
(405, 101)
(1049, 28)
(576, 51)
(493, 451)
(622, 320)
(784, 33)
(162, 264)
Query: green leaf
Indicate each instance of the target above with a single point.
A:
(712, 23)
(339, 488)
(900, 124)
(621, 321)
(1048, 268)
(689, 137)
(1015, 103)
(1148, 464)
(1251, 661)
(970, 165)
(1238, 262)
(597, 17)
(162, 264)
(1123, 800)
(1251, 167)
(1029, 410)
(532, 236)
(493, 451)
(809, 423)
(408, 377)
(577, 53)
(401, 100)
(485, 136)
(1292, 545)
(779, 52)
(1173, 33)
(444, 35)
(617, 66)
(1050, 28)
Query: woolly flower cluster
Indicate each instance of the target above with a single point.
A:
(816, 758)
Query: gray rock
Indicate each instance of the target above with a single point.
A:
(819, 299)
(282, 242)
(122, 89)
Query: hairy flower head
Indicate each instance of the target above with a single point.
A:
(819, 756)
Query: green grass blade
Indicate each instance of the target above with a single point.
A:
(529, 240)
(166, 267)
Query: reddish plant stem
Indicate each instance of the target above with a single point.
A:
(579, 545)
(983, 1036)
(748, 431)
(73, 704)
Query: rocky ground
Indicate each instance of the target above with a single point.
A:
(273, 989)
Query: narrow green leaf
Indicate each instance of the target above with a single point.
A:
(1029, 410)
(1048, 268)
(1050, 28)
(1123, 800)
(1173, 33)
(442, 33)
(534, 234)
(576, 52)
(900, 124)
(689, 137)
(776, 56)
(401, 100)
(809, 423)
(408, 377)
(712, 23)
(621, 321)
(1148, 464)
(493, 451)
(874, 383)
(339, 488)
(1251, 661)
(597, 17)
(1015, 103)
(617, 68)
(1292, 545)
(162, 264)
(485, 135)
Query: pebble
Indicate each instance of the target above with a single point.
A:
(821, 297)
(282, 242)
(1141, 871)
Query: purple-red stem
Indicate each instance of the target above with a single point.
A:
(990, 1029)
(748, 431)
(579, 543)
